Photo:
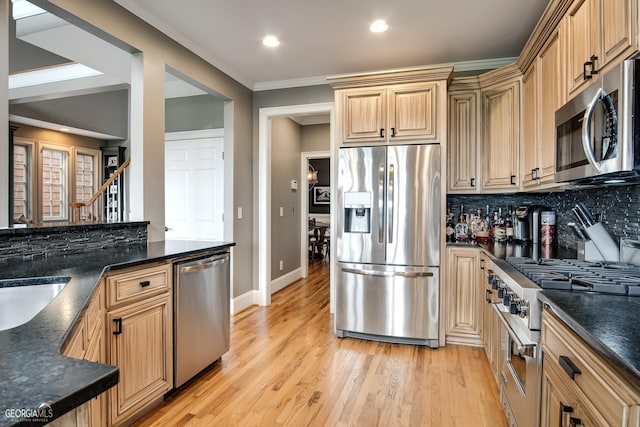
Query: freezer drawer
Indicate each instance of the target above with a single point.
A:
(388, 303)
(201, 315)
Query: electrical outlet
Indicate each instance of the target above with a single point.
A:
(281, 265)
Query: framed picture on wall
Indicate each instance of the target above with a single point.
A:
(322, 195)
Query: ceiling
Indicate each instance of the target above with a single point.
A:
(329, 37)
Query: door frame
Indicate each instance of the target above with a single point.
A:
(264, 190)
(304, 205)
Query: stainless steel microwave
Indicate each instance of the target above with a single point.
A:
(598, 132)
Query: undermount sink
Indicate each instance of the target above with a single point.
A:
(22, 299)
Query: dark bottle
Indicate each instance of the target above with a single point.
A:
(451, 227)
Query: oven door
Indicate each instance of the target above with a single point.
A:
(519, 371)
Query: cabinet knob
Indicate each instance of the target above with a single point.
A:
(381, 133)
(513, 180)
(473, 182)
(393, 132)
(145, 283)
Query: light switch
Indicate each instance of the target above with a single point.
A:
(239, 212)
(294, 184)
(281, 211)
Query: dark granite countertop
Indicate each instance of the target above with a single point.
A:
(608, 323)
(32, 370)
(501, 250)
(63, 226)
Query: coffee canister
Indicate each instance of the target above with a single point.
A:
(547, 227)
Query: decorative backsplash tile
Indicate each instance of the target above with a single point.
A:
(617, 207)
(33, 242)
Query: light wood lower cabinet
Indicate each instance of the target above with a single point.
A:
(578, 386)
(140, 340)
(463, 297)
(87, 342)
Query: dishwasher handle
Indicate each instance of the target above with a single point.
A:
(214, 262)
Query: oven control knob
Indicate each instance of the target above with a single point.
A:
(495, 283)
(506, 299)
(501, 291)
(514, 306)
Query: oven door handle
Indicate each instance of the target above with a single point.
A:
(526, 349)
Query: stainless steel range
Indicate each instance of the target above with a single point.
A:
(514, 300)
(513, 287)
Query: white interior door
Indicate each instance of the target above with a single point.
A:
(194, 188)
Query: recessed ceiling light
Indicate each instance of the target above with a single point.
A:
(378, 26)
(271, 41)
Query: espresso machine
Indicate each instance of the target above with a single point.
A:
(526, 223)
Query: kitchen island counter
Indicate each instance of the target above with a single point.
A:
(34, 373)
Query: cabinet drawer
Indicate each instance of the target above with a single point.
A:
(137, 284)
(599, 385)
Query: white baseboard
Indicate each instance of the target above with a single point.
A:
(284, 281)
(244, 301)
(250, 298)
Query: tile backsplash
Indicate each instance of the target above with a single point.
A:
(617, 207)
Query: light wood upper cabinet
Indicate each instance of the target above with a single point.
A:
(501, 135)
(530, 127)
(600, 33)
(463, 297)
(365, 114)
(383, 114)
(464, 137)
(543, 94)
(389, 106)
(412, 111)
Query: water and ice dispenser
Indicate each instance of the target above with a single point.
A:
(357, 212)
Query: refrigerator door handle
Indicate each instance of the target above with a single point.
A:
(365, 272)
(381, 173)
(390, 202)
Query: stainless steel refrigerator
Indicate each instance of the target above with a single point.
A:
(388, 243)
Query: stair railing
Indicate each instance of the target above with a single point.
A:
(78, 206)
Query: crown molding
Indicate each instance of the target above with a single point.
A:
(285, 84)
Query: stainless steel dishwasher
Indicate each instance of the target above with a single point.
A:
(201, 314)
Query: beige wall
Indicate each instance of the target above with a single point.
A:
(147, 133)
(59, 138)
(286, 136)
(316, 138)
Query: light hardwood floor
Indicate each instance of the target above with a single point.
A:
(286, 367)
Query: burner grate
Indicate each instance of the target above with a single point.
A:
(576, 275)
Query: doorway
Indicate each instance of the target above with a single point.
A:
(264, 191)
(194, 185)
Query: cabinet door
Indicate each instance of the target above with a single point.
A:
(140, 345)
(552, 97)
(412, 111)
(96, 352)
(560, 406)
(364, 115)
(501, 137)
(463, 297)
(582, 40)
(530, 127)
(462, 155)
(618, 25)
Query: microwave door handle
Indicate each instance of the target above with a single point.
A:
(586, 130)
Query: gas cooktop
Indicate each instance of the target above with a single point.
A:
(576, 275)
